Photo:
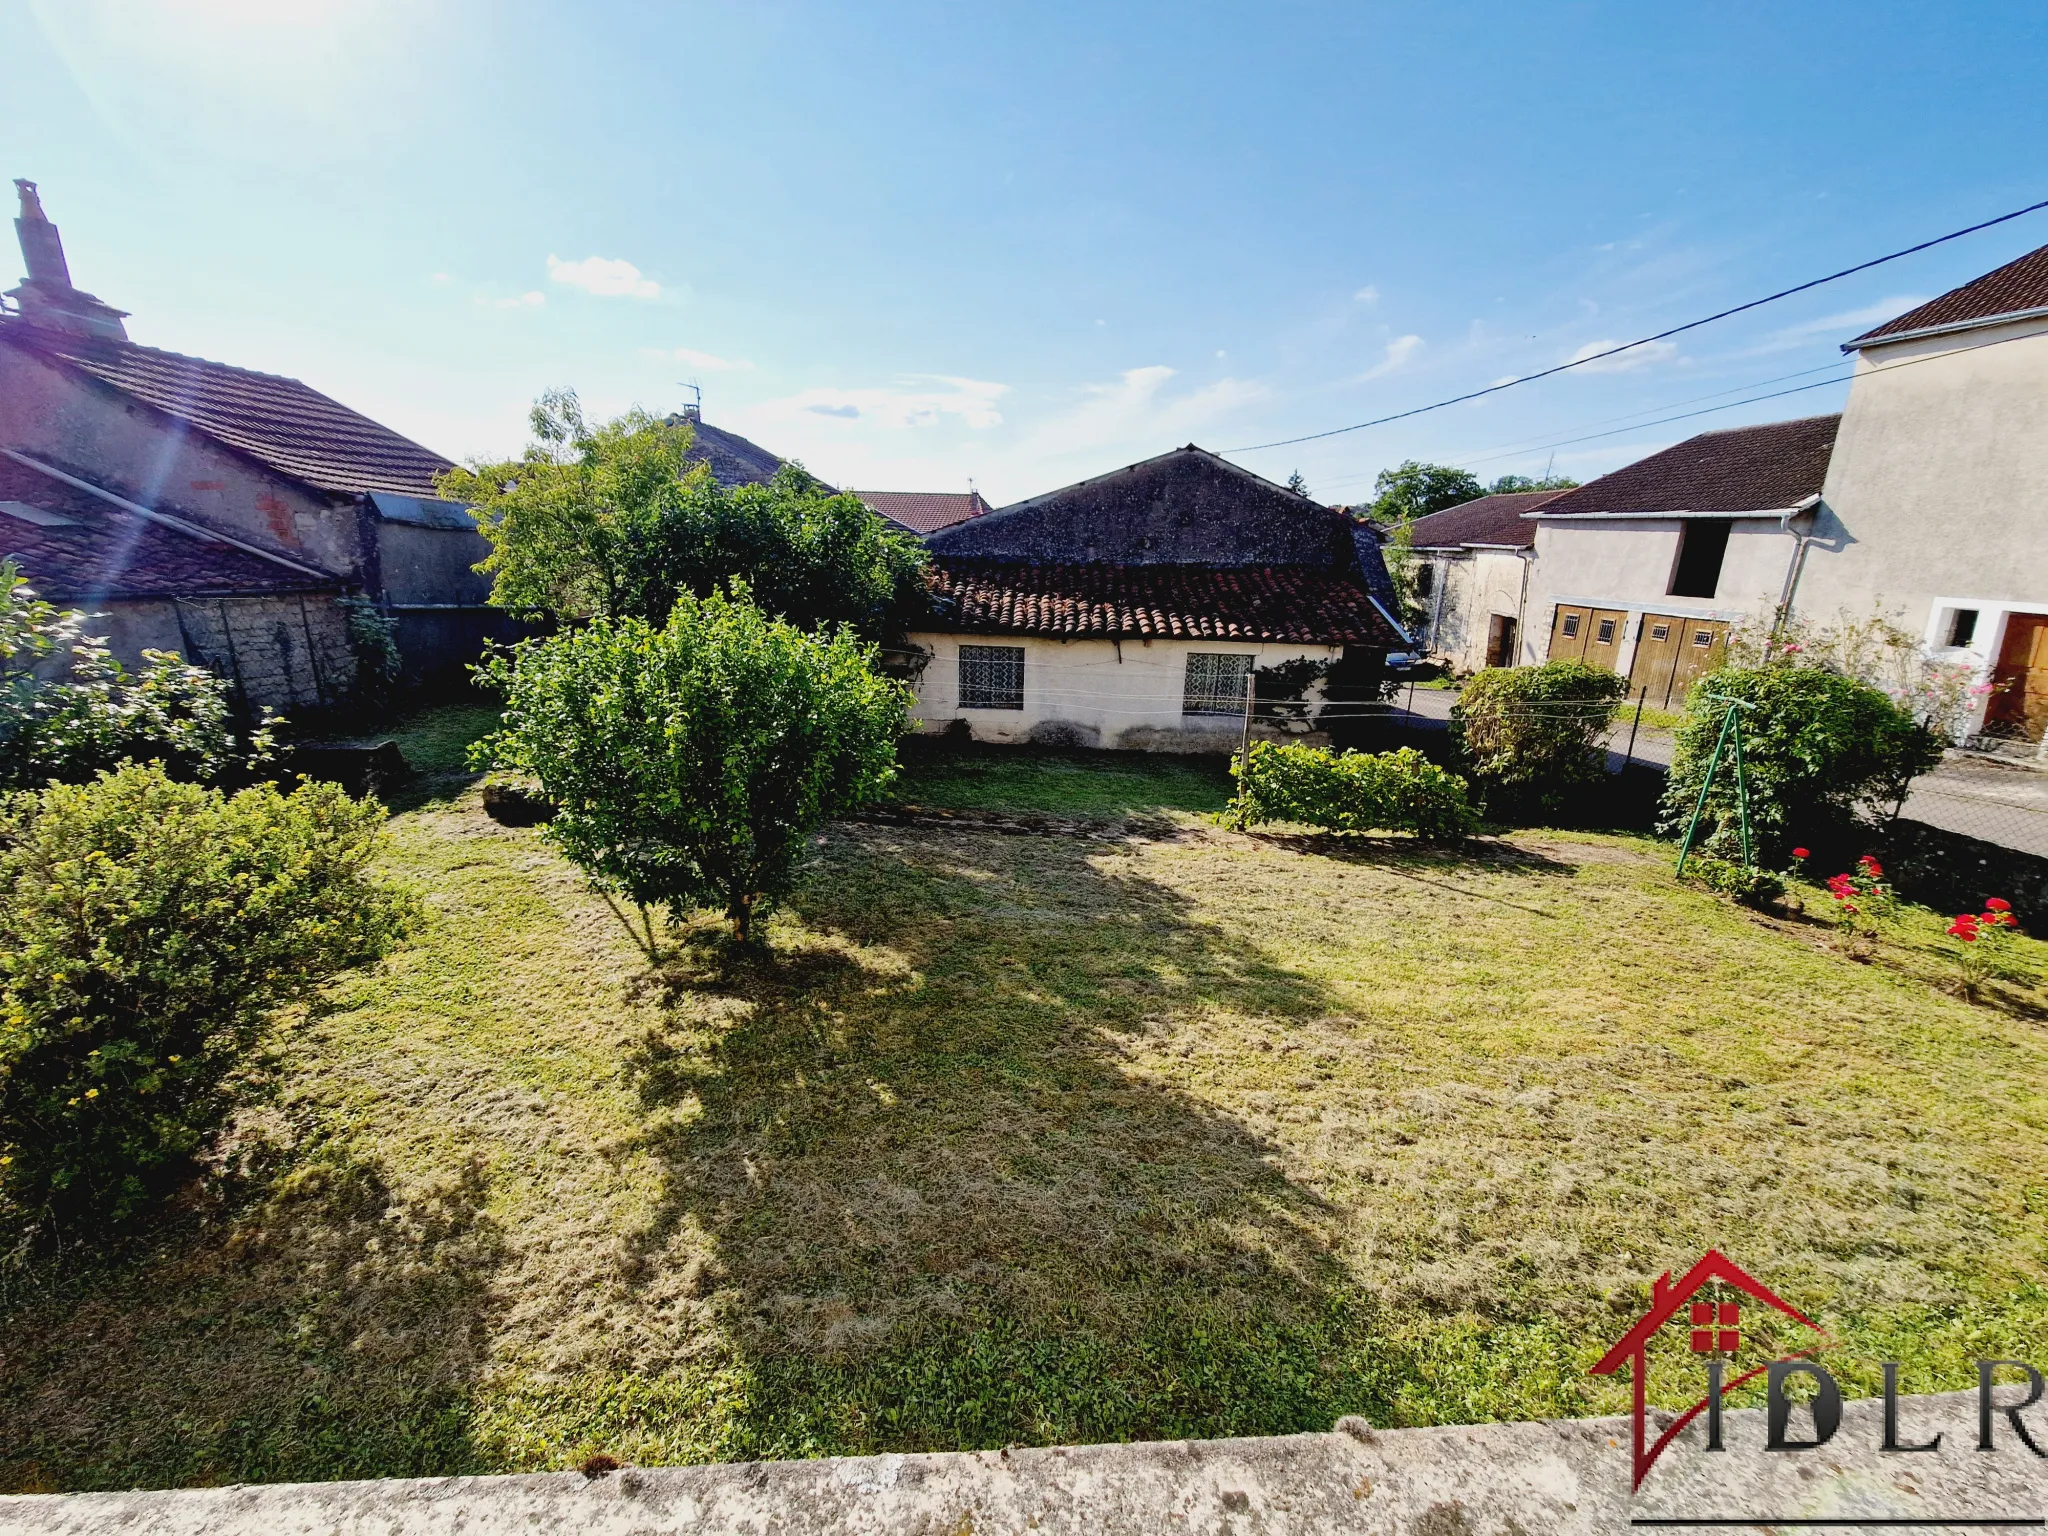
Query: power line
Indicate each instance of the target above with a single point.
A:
(1541, 441)
(1629, 346)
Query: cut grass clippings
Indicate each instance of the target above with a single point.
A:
(1040, 1139)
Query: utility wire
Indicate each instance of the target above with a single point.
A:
(1629, 346)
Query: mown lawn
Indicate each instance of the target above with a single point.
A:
(1035, 1139)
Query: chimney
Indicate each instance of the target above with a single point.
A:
(47, 298)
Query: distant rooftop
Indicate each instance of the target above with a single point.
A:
(1765, 468)
(926, 511)
(2015, 288)
(1484, 520)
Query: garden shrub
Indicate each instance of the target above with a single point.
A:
(151, 928)
(1751, 887)
(1531, 735)
(68, 709)
(1819, 749)
(1350, 791)
(687, 765)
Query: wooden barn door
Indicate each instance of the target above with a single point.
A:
(2019, 706)
(1587, 634)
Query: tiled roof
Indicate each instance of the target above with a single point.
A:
(734, 460)
(1485, 520)
(2017, 285)
(99, 552)
(1745, 469)
(294, 429)
(1276, 603)
(926, 511)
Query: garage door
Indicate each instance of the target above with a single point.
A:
(1587, 634)
(1673, 653)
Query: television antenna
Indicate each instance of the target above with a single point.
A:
(694, 388)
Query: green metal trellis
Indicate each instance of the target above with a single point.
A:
(1731, 730)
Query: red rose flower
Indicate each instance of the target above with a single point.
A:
(1997, 904)
(1799, 853)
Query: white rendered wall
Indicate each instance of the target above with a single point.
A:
(1093, 693)
(1475, 585)
(1627, 565)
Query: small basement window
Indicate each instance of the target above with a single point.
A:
(1216, 683)
(1701, 547)
(991, 677)
(1962, 626)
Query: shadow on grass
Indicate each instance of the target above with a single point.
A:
(1430, 864)
(949, 1207)
(330, 1330)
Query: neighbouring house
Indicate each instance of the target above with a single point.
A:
(1131, 609)
(1642, 571)
(1935, 507)
(1471, 577)
(922, 512)
(265, 461)
(274, 627)
(734, 460)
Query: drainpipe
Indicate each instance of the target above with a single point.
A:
(1795, 566)
(1521, 608)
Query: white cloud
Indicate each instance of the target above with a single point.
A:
(1648, 353)
(532, 300)
(1506, 378)
(1850, 322)
(709, 362)
(1399, 350)
(931, 400)
(1135, 415)
(608, 277)
(1367, 295)
(441, 278)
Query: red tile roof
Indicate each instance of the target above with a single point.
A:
(2018, 285)
(1744, 469)
(1485, 520)
(101, 552)
(294, 429)
(926, 511)
(1276, 603)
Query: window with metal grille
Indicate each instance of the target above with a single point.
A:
(1571, 625)
(1703, 639)
(1216, 683)
(1660, 631)
(991, 677)
(1604, 635)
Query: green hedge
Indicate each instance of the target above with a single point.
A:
(1350, 791)
(1531, 735)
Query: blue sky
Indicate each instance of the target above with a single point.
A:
(914, 244)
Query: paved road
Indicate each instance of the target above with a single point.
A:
(2003, 802)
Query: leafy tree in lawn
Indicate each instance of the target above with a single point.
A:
(68, 709)
(1818, 749)
(690, 763)
(1411, 490)
(152, 929)
(612, 521)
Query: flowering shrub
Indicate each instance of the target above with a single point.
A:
(1864, 898)
(151, 928)
(1350, 791)
(1984, 945)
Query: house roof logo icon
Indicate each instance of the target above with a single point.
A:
(1715, 1329)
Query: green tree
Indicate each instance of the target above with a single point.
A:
(1509, 484)
(1412, 489)
(68, 709)
(1818, 749)
(1531, 735)
(690, 763)
(152, 927)
(613, 521)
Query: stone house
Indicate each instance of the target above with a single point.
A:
(1935, 506)
(1642, 571)
(1129, 610)
(266, 462)
(1471, 578)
